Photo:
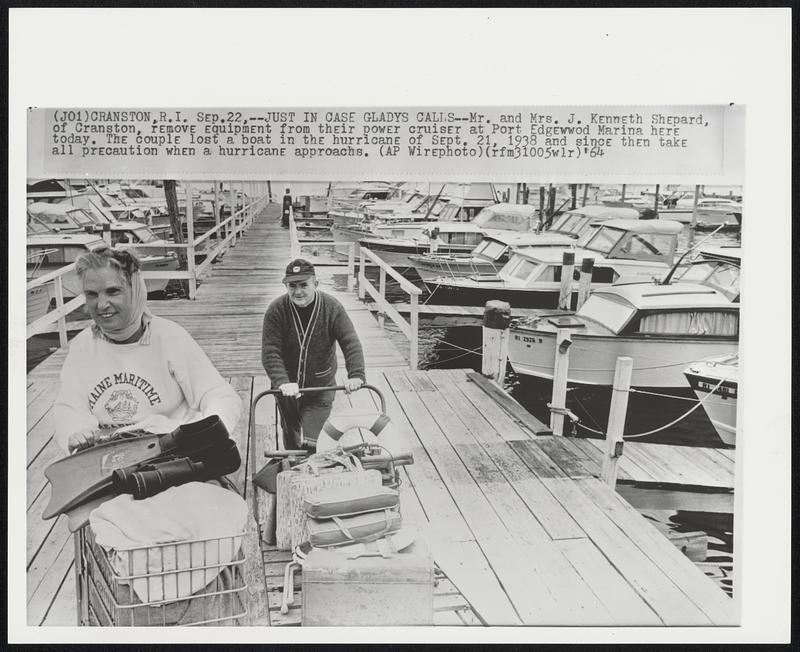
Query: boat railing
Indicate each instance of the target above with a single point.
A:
(409, 328)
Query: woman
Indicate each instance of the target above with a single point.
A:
(131, 370)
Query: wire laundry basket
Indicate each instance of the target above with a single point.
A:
(196, 582)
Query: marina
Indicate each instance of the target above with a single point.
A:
(524, 526)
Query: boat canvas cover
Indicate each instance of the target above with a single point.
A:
(511, 217)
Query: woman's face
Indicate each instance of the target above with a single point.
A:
(109, 298)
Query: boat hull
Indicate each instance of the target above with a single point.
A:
(459, 295)
(719, 401)
(38, 302)
(430, 269)
(657, 362)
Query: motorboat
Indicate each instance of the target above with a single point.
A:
(56, 249)
(495, 248)
(448, 237)
(715, 383)
(638, 249)
(37, 298)
(662, 327)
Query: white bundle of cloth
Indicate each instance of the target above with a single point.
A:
(199, 523)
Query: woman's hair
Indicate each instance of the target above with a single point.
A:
(123, 261)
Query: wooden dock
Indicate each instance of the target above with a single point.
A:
(522, 530)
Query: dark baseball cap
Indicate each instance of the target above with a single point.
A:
(297, 270)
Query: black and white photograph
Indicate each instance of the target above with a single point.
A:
(449, 346)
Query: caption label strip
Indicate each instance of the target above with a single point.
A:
(402, 142)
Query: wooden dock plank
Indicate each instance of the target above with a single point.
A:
(555, 520)
(702, 591)
(501, 549)
(647, 579)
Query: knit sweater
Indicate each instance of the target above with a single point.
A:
(107, 385)
(281, 344)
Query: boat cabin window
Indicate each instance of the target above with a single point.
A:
(607, 310)
(600, 274)
(449, 212)
(571, 224)
(604, 240)
(655, 246)
(689, 322)
(519, 267)
(491, 249)
(460, 237)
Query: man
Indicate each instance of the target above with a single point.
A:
(298, 349)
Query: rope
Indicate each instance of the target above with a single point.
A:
(664, 427)
(671, 363)
(678, 398)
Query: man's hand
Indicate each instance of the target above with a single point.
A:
(80, 440)
(352, 384)
(290, 390)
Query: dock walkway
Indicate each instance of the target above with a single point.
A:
(517, 521)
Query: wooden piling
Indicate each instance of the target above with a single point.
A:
(558, 403)
(622, 198)
(655, 203)
(190, 241)
(573, 191)
(551, 205)
(567, 272)
(585, 192)
(585, 283)
(542, 217)
(616, 419)
(496, 322)
(694, 206)
(216, 207)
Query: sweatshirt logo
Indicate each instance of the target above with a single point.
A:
(121, 405)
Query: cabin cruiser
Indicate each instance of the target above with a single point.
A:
(49, 250)
(715, 383)
(660, 326)
(495, 248)
(532, 276)
(37, 298)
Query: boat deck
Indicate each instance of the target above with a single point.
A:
(520, 526)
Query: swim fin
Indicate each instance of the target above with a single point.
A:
(87, 473)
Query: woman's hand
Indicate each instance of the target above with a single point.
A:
(352, 384)
(153, 423)
(80, 440)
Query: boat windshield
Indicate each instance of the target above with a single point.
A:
(690, 322)
(604, 240)
(607, 310)
(491, 249)
(720, 274)
(519, 267)
(571, 224)
(145, 234)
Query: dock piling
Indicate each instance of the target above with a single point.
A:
(567, 272)
(585, 283)
(496, 322)
(558, 404)
(616, 419)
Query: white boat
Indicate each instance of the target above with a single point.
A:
(37, 298)
(715, 383)
(661, 327)
(58, 249)
(531, 278)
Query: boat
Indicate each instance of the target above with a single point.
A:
(495, 248)
(715, 383)
(640, 249)
(58, 249)
(37, 298)
(660, 326)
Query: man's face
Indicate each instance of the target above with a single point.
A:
(302, 291)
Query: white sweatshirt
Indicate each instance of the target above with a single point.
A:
(111, 385)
